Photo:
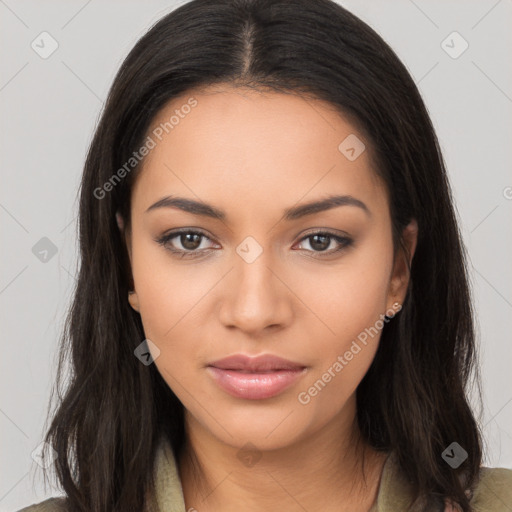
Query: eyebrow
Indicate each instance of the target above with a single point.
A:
(293, 213)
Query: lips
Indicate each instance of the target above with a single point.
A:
(259, 364)
(255, 378)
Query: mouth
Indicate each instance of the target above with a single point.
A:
(255, 378)
(256, 364)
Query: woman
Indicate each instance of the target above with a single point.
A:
(272, 309)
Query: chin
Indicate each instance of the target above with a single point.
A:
(267, 430)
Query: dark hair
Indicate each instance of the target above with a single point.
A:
(413, 399)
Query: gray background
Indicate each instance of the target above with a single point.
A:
(49, 108)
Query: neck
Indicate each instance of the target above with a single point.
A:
(325, 468)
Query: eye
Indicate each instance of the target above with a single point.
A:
(320, 241)
(190, 241)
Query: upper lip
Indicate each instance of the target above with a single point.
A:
(264, 362)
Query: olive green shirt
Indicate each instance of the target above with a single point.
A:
(493, 492)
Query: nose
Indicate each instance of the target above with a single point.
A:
(256, 297)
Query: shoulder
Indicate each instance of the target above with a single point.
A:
(49, 505)
(493, 490)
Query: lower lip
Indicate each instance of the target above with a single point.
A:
(255, 386)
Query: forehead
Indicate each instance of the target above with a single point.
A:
(225, 142)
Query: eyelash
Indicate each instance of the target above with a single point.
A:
(165, 239)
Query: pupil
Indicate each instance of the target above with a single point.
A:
(322, 245)
(190, 244)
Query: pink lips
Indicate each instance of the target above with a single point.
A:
(255, 378)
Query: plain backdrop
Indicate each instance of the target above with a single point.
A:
(49, 108)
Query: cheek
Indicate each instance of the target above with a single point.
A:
(166, 300)
(351, 307)
(172, 300)
(166, 290)
(352, 295)
(159, 304)
(350, 300)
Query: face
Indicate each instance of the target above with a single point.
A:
(262, 275)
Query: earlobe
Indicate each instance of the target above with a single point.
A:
(120, 222)
(133, 299)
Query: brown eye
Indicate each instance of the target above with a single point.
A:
(190, 241)
(185, 243)
(321, 241)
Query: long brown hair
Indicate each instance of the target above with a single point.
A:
(413, 399)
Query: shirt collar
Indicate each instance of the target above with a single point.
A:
(169, 492)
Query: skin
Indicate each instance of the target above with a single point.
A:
(253, 155)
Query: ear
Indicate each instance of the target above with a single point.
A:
(120, 222)
(133, 299)
(403, 259)
(132, 295)
(124, 233)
